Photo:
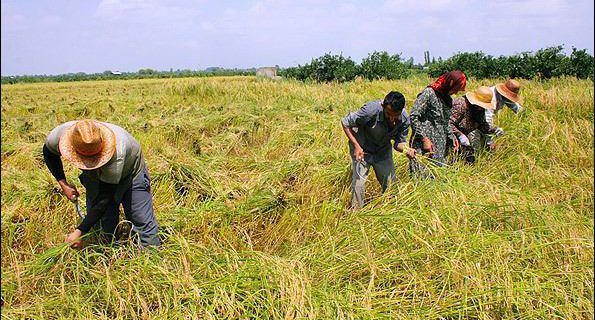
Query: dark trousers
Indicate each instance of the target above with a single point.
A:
(138, 209)
(467, 154)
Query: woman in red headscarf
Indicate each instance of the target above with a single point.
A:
(429, 120)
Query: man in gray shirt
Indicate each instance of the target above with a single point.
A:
(114, 173)
(370, 131)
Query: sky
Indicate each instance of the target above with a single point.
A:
(64, 36)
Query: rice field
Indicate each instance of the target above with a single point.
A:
(251, 184)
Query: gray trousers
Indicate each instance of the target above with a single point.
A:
(385, 173)
(138, 208)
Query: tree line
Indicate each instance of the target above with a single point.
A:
(329, 67)
(542, 64)
(140, 74)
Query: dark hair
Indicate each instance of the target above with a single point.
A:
(395, 99)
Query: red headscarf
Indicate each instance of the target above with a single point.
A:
(443, 85)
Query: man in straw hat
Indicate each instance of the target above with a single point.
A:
(114, 173)
(504, 94)
(468, 114)
(370, 131)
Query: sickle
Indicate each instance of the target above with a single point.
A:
(77, 207)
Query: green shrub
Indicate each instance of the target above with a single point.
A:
(328, 68)
(335, 68)
(549, 62)
(324, 69)
(580, 64)
(381, 65)
(545, 63)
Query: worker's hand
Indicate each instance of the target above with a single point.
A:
(499, 132)
(455, 144)
(359, 153)
(427, 145)
(74, 238)
(410, 153)
(464, 140)
(492, 146)
(69, 190)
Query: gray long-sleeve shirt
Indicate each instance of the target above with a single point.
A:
(372, 131)
(112, 179)
(124, 165)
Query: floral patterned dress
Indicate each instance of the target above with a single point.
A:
(464, 120)
(429, 119)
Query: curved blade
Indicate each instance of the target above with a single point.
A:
(78, 209)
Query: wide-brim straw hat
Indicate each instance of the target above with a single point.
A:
(68, 148)
(481, 97)
(509, 89)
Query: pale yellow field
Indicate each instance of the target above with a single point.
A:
(251, 183)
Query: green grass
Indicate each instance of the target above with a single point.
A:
(251, 183)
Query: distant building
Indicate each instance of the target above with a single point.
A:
(116, 73)
(267, 72)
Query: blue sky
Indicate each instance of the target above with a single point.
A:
(61, 36)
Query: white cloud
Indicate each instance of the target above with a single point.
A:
(50, 20)
(208, 26)
(411, 6)
(147, 11)
(12, 20)
(347, 8)
(557, 8)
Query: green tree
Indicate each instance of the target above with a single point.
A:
(580, 64)
(381, 65)
(549, 62)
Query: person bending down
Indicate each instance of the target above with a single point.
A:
(504, 95)
(430, 114)
(370, 131)
(467, 115)
(114, 173)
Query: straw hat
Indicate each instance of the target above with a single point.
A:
(481, 97)
(509, 89)
(88, 144)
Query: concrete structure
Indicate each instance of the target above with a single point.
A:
(267, 72)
